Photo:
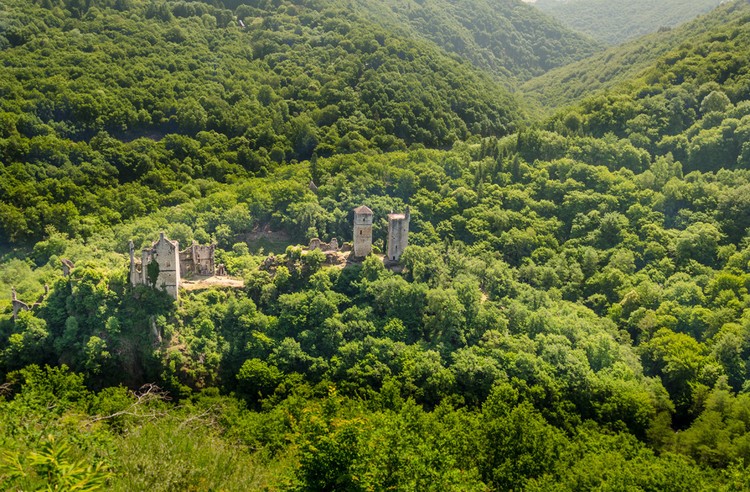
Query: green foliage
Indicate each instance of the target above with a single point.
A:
(257, 379)
(28, 344)
(53, 466)
(184, 453)
(152, 273)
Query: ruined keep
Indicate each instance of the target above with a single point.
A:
(172, 263)
(165, 254)
(398, 235)
(362, 231)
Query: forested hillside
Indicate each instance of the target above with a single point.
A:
(572, 311)
(506, 37)
(624, 63)
(615, 21)
(140, 92)
(692, 104)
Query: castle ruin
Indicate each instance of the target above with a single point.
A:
(362, 231)
(398, 235)
(170, 264)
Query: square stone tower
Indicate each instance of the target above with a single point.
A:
(398, 235)
(362, 231)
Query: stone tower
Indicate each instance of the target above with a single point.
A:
(398, 235)
(362, 231)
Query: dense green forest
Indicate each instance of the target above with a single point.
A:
(572, 312)
(153, 97)
(615, 21)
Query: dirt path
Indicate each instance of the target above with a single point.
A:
(199, 283)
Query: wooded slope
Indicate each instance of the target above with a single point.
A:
(615, 21)
(623, 63)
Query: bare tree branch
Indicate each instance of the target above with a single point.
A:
(146, 394)
(200, 416)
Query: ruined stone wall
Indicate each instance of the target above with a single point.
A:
(67, 266)
(197, 260)
(19, 306)
(136, 275)
(173, 264)
(316, 243)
